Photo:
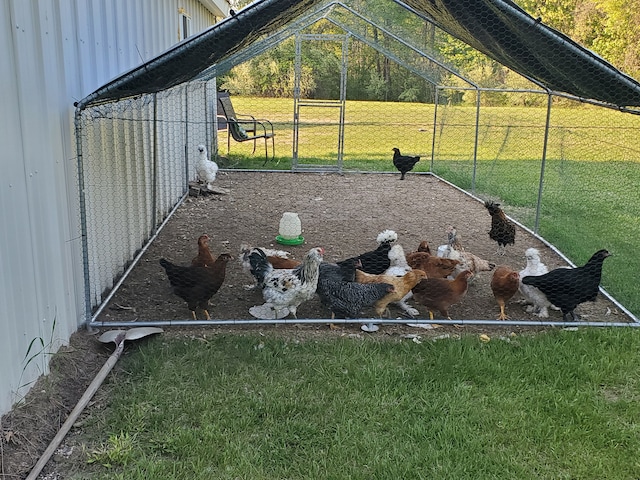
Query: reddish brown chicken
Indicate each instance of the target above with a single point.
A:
(504, 284)
(204, 257)
(440, 293)
(434, 267)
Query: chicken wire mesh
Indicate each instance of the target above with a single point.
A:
(345, 86)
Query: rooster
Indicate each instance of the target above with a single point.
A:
(403, 163)
(377, 261)
(504, 285)
(197, 284)
(567, 288)
(284, 289)
(539, 304)
(468, 261)
(502, 230)
(206, 168)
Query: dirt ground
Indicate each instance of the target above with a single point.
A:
(343, 214)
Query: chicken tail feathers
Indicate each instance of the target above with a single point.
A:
(260, 266)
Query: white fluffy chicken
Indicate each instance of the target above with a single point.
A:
(284, 289)
(206, 168)
(538, 303)
(397, 268)
(468, 261)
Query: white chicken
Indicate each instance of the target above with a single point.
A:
(468, 261)
(284, 289)
(397, 268)
(538, 303)
(206, 168)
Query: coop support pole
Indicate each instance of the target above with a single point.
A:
(536, 226)
(363, 321)
(83, 215)
(155, 180)
(475, 143)
(436, 100)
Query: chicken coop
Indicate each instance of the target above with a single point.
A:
(300, 104)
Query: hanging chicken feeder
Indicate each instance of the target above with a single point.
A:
(290, 230)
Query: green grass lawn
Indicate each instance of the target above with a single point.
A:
(556, 405)
(590, 196)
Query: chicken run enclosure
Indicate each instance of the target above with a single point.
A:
(557, 149)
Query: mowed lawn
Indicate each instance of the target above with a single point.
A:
(552, 405)
(589, 192)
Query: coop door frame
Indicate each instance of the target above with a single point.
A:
(299, 104)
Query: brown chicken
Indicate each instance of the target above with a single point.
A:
(401, 286)
(281, 262)
(195, 284)
(424, 247)
(204, 257)
(434, 267)
(504, 284)
(440, 293)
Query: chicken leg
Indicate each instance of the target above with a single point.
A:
(503, 315)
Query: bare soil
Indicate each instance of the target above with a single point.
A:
(342, 213)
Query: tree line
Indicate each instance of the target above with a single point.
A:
(611, 28)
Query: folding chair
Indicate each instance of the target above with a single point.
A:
(244, 128)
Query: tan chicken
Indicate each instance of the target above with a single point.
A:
(434, 267)
(401, 286)
(504, 284)
(440, 293)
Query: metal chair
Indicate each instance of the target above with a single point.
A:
(245, 128)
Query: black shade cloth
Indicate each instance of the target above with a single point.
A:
(497, 28)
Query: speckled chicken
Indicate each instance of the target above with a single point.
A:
(285, 289)
(344, 297)
(503, 231)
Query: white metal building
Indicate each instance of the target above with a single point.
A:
(55, 52)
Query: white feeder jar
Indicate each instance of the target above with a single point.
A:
(290, 229)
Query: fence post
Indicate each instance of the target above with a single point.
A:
(544, 161)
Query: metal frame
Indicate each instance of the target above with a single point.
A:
(339, 104)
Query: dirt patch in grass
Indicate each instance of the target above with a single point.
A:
(343, 214)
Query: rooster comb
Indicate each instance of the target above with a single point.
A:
(387, 236)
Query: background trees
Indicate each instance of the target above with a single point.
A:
(611, 28)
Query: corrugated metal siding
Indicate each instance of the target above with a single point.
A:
(56, 52)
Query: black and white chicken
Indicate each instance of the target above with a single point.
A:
(377, 261)
(284, 289)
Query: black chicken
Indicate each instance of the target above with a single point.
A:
(566, 288)
(344, 297)
(377, 261)
(195, 284)
(403, 163)
(502, 230)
